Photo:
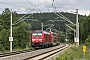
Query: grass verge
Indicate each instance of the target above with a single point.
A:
(74, 53)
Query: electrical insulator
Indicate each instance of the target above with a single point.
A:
(52, 4)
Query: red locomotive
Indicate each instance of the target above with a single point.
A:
(43, 38)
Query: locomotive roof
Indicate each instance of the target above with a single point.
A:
(46, 32)
(53, 32)
(42, 31)
(38, 31)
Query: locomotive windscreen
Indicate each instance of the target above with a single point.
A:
(37, 34)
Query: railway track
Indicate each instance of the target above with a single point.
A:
(40, 54)
(14, 53)
(45, 55)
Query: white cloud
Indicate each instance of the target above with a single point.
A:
(81, 12)
(84, 12)
(22, 10)
(61, 5)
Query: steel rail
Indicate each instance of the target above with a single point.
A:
(14, 53)
(41, 54)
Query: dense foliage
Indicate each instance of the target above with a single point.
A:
(74, 53)
(21, 32)
(85, 29)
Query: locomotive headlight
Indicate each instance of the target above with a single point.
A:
(33, 40)
(40, 40)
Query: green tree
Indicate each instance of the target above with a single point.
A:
(5, 18)
(21, 35)
(84, 28)
(4, 35)
(87, 41)
(20, 31)
(1, 27)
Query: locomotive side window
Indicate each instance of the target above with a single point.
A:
(54, 34)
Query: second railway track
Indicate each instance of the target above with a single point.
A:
(14, 53)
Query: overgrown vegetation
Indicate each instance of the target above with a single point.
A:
(74, 53)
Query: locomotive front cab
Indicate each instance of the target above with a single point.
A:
(37, 37)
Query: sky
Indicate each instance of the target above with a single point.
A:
(32, 6)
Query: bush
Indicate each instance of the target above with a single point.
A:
(2, 49)
(87, 41)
